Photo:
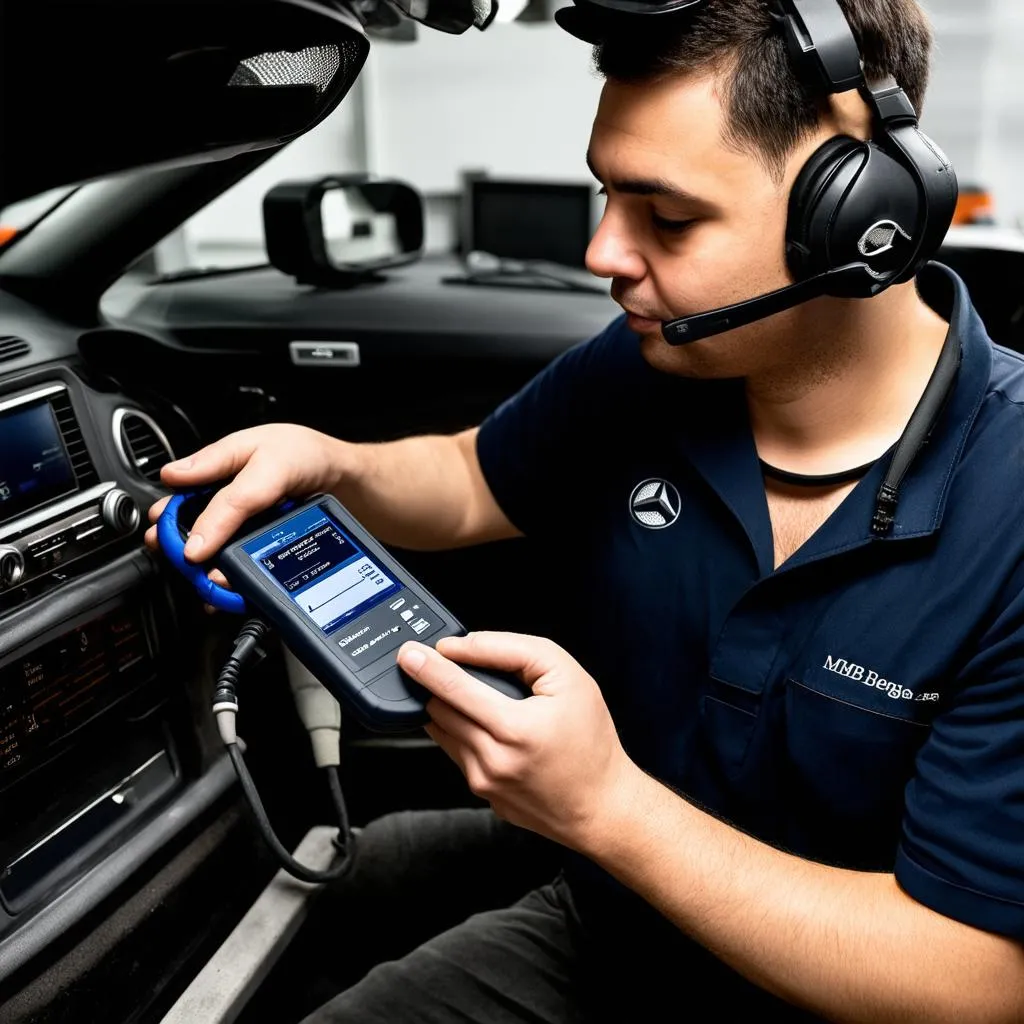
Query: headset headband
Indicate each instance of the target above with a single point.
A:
(819, 37)
(643, 7)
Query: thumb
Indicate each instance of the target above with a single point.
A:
(530, 657)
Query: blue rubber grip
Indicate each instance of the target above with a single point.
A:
(173, 544)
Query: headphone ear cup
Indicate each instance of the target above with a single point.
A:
(855, 205)
(814, 202)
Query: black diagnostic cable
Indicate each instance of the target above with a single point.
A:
(225, 708)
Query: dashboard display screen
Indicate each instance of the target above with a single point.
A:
(321, 568)
(34, 466)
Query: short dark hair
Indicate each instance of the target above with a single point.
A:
(768, 109)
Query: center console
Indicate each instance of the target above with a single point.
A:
(93, 733)
(83, 748)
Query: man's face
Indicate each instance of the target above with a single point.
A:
(690, 224)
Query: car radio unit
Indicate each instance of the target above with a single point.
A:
(51, 511)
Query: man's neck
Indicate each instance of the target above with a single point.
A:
(849, 397)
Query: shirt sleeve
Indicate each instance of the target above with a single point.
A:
(541, 442)
(962, 852)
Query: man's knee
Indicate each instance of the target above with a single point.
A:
(501, 967)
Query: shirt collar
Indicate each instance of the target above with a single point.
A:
(719, 444)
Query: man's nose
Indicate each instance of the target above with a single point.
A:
(612, 251)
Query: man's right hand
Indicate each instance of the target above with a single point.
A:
(263, 464)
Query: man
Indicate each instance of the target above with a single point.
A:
(797, 779)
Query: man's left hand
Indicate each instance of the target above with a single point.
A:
(551, 763)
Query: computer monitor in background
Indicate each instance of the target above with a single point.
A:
(527, 220)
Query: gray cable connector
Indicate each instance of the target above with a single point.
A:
(319, 711)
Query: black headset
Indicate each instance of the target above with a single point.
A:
(862, 215)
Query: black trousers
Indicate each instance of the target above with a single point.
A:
(503, 966)
(455, 917)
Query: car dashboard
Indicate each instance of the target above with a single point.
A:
(107, 759)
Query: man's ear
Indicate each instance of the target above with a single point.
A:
(841, 114)
(851, 115)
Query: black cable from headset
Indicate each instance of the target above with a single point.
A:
(225, 707)
(936, 394)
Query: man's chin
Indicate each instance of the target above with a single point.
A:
(680, 360)
(696, 361)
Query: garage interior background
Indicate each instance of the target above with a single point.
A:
(518, 99)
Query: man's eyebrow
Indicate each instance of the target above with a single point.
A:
(649, 187)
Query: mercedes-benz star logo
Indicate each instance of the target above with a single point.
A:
(881, 238)
(655, 504)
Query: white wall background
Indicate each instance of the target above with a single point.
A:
(1000, 152)
(518, 100)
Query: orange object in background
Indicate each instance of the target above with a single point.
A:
(975, 206)
(6, 233)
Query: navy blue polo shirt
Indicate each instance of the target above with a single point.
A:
(863, 704)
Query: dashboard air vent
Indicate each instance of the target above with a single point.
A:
(12, 348)
(143, 447)
(85, 471)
